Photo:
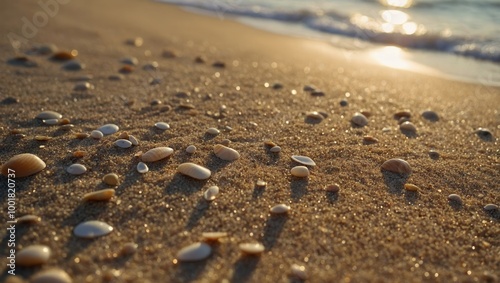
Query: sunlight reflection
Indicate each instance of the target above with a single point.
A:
(391, 56)
(397, 3)
(394, 17)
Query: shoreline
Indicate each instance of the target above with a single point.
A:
(371, 230)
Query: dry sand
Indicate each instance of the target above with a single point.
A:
(371, 231)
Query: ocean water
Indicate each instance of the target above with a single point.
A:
(426, 29)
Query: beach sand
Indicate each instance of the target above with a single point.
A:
(372, 230)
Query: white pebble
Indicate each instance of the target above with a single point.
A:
(300, 171)
(92, 229)
(133, 140)
(191, 149)
(304, 160)
(52, 275)
(194, 252)
(51, 121)
(359, 120)
(252, 248)
(109, 129)
(213, 131)
(142, 167)
(280, 208)
(275, 149)
(299, 271)
(162, 125)
(123, 143)
(211, 193)
(76, 169)
(96, 134)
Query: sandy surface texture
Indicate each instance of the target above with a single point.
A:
(371, 230)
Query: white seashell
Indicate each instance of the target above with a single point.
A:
(490, 207)
(303, 160)
(76, 169)
(31, 219)
(101, 195)
(211, 193)
(280, 208)
(300, 171)
(299, 271)
(96, 134)
(252, 248)
(194, 171)
(123, 143)
(226, 153)
(194, 252)
(156, 154)
(33, 255)
(133, 140)
(213, 131)
(397, 165)
(23, 165)
(51, 121)
(455, 198)
(275, 149)
(53, 275)
(109, 129)
(191, 149)
(92, 229)
(46, 115)
(359, 119)
(162, 125)
(408, 127)
(142, 168)
(213, 236)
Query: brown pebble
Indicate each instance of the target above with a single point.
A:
(129, 249)
(79, 153)
(219, 64)
(42, 138)
(397, 165)
(111, 179)
(82, 136)
(369, 140)
(127, 69)
(402, 113)
(64, 121)
(65, 55)
(411, 188)
(169, 54)
(335, 188)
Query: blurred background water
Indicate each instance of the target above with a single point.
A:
(460, 38)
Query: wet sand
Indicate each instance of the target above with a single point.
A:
(372, 230)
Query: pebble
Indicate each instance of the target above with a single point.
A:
(397, 165)
(359, 119)
(46, 115)
(314, 115)
(92, 229)
(64, 121)
(101, 195)
(261, 183)
(433, 154)
(83, 86)
(490, 207)
(169, 54)
(226, 153)
(252, 248)
(142, 168)
(412, 188)
(130, 61)
(455, 198)
(304, 160)
(408, 127)
(53, 275)
(108, 129)
(151, 66)
(33, 255)
(344, 102)
(211, 193)
(280, 209)
(76, 169)
(116, 77)
(45, 49)
(137, 42)
(370, 139)
(213, 131)
(317, 93)
(194, 252)
(403, 113)
(275, 149)
(65, 55)
(335, 188)
(73, 65)
(430, 115)
(191, 149)
(129, 249)
(484, 133)
(111, 179)
(155, 102)
(300, 171)
(225, 142)
(127, 69)
(194, 171)
(277, 86)
(29, 219)
(123, 135)
(309, 88)
(219, 64)
(67, 127)
(133, 140)
(162, 125)
(157, 153)
(81, 136)
(96, 134)
(42, 138)
(299, 271)
(123, 143)
(213, 236)
(23, 165)
(79, 153)
(10, 100)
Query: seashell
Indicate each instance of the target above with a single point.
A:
(81, 136)
(359, 119)
(408, 127)
(194, 171)
(127, 69)
(133, 140)
(397, 165)
(299, 271)
(29, 219)
(53, 275)
(96, 134)
(279, 209)
(130, 61)
(123, 143)
(129, 249)
(83, 86)
(65, 55)
(108, 129)
(111, 179)
(433, 154)
(156, 154)
(226, 153)
(79, 153)
(211, 193)
(162, 126)
(403, 113)
(490, 207)
(300, 171)
(191, 149)
(137, 42)
(303, 160)
(369, 139)
(430, 115)
(194, 252)
(92, 229)
(101, 195)
(252, 248)
(23, 165)
(412, 188)
(116, 77)
(51, 121)
(76, 169)
(46, 115)
(484, 134)
(275, 149)
(261, 183)
(123, 135)
(455, 198)
(213, 236)
(142, 168)
(335, 188)
(73, 65)
(213, 131)
(42, 138)
(33, 255)
(344, 102)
